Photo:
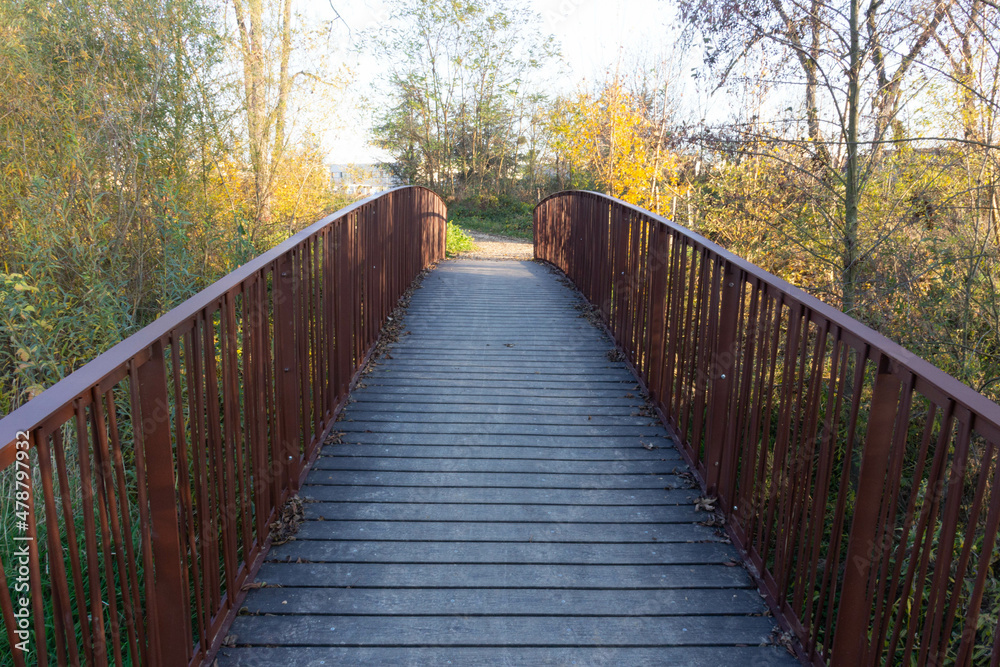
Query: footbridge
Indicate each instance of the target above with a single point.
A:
(638, 449)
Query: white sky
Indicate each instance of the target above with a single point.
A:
(591, 33)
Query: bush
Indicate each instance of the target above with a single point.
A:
(494, 215)
(456, 240)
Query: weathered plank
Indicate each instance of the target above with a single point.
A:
(471, 575)
(510, 656)
(486, 418)
(617, 480)
(495, 401)
(625, 408)
(507, 429)
(504, 373)
(404, 511)
(565, 442)
(503, 602)
(520, 364)
(417, 494)
(496, 465)
(502, 452)
(525, 385)
(364, 550)
(503, 630)
(505, 531)
(501, 393)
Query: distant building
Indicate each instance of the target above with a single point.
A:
(362, 180)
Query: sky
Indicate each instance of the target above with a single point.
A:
(592, 34)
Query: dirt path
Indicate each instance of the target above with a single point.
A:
(492, 246)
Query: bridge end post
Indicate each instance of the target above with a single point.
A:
(850, 642)
(169, 617)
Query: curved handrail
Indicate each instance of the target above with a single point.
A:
(861, 483)
(191, 435)
(75, 385)
(986, 410)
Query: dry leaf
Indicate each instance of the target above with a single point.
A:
(705, 504)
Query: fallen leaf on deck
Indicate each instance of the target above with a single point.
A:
(705, 504)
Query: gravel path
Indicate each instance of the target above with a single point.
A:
(492, 246)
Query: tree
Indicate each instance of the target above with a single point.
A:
(851, 58)
(266, 95)
(104, 196)
(883, 201)
(457, 90)
(616, 139)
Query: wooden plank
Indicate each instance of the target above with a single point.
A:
(482, 355)
(503, 374)
(503, 452)
(364, 511)
(472, 656)
(609, 386)
(506, 429)
(416, 494)
(494, 465)
(505, 532)
(526, 343)
(486, 419)
(502, 602)
(501, 630)
(520, 364)
(501, 553)
(436, 575)
(564, 442)
(471, 401)
(618, 480)
(625, 408)
(503, 393)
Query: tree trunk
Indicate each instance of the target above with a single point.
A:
(849, 251)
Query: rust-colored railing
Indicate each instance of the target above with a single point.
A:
(146, 481)
(861, 483)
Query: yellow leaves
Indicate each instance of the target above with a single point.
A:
(613, 137)
(23, 354)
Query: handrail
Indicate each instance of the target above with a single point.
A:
(155, 471)
(861, 483)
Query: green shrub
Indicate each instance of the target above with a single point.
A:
(494, 215)
(456, 240)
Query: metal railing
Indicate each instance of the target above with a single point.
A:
(861, 483)
(146, 481)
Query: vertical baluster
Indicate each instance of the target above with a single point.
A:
(140, 649)
(62, 611)
(170, 621)
(107, 516)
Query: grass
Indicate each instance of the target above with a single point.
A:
(456, 240)
(508, 218)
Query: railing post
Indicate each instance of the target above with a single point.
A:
(170, 621)
(850, 641)
(287, 370)
(720, 377)
(657, 258)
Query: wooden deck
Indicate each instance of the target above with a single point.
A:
(494, 502)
